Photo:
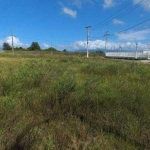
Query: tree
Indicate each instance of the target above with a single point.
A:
(52, 49)
(101, 53)
(6, 46)
(18, 48)
(65, 51)
(34, 46)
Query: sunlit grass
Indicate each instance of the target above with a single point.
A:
(61, 101)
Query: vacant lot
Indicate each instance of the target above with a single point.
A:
(59, 101)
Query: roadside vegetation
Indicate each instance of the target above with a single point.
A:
(61, 101)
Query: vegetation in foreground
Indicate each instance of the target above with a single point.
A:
(58, 102)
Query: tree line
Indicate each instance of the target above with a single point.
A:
(33, 47)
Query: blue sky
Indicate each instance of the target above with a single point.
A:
(61, 23)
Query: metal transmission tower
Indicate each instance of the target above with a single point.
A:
(88, 35)
(12, 41)
(106, 38)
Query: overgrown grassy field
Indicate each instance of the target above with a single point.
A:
(69, 102)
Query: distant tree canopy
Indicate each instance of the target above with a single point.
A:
(34, 46)
(19, 48)
(101, 53)
(65, 50)
(51, 49)
(6, 46)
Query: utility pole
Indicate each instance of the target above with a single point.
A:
(12, 41)
(136, 49)
(149, 45)
(120, 47)
(88, 31)
(149, 48)
(106, 38)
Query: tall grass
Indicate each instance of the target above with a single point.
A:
(65, 102)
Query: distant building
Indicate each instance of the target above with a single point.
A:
(129, 55)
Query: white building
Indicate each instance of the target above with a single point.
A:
(129, 55)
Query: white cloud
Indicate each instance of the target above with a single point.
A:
(45, 46)
(70, 12)
(145, 4)
(79, 3)
(108, 3)
(141, 15)
(16, 41)
(116, 21)
(100, 45)
(140, 35)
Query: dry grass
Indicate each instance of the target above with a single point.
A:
(70, 102)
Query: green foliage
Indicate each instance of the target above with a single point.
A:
(65, 102)
(34, 46)
(6, 46)
(52, 49)
(101, 53)
(64, 50)
(19, 48)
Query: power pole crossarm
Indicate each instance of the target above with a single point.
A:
(88, 31)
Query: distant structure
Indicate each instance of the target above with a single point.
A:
(129, 55)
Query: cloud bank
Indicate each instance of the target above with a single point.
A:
(100, 45)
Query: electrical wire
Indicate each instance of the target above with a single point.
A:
(134, 26)
(111, 15)
(129, 29)
(120, 15)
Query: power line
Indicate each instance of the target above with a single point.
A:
(126, 12)
(111, 15)
(120, 15)
(134, 26)
(129, 29)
